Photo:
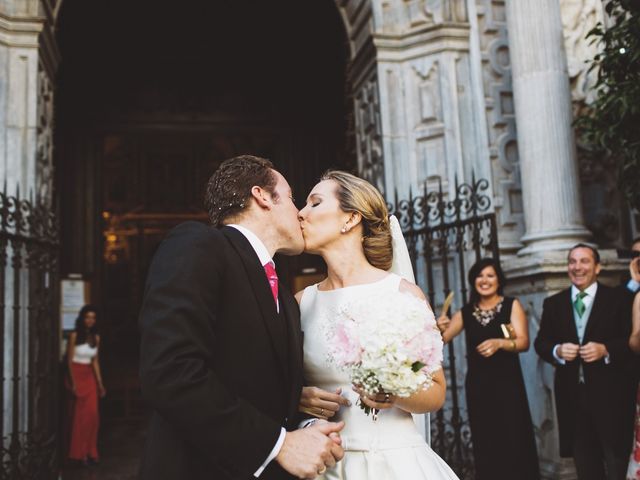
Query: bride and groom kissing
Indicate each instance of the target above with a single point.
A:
(224, 364)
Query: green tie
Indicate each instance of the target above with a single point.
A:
(579, 304)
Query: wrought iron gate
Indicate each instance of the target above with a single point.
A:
(29, 327)
(445, 235)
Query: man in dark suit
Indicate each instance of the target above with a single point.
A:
(584, 334)
(221, 353)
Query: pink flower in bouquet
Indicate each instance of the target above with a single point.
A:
(432, 348)
(426, 347)
(346, 349)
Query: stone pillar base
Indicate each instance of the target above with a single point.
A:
(560, 239)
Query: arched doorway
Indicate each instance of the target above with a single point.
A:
(150, 99)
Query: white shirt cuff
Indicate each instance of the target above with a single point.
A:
(274, 453)
(607, 359)
(308, 422)
(560, 360)
(633, 286)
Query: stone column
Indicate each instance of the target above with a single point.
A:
(19, 63)
(550, 184)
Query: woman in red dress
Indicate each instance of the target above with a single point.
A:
(85, 383)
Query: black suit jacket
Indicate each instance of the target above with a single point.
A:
(220, 368)
(610, 387)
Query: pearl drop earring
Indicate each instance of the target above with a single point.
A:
(344, 230)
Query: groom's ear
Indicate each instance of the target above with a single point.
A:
(261, 197)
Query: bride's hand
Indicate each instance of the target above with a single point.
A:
(321, 403)
(378, 401)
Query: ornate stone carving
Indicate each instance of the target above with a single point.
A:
(496, 74)
(428, 121)
(578, 17)
(600, 197)
(419, 12)
(429, 93)
(459, 12)
(369, 128)
(44, 138)
(403, 15)
(361, 19)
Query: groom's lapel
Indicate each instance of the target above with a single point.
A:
(291, 311)
(263, 294)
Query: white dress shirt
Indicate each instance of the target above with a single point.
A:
(588, 299)
(264, 257)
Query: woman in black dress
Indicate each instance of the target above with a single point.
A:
(501, 430)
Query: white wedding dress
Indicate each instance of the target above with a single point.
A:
(390, 448)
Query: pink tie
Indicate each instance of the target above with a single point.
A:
(272, 276)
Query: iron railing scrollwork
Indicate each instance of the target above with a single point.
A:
(29, 325)
(445, 233)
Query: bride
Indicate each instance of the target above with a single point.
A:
(345, 220)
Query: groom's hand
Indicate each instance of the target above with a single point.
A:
(335, 436)
(307, 453)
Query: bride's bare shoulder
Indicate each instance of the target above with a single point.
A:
(412, 288)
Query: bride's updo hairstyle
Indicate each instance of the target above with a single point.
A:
(357, 195)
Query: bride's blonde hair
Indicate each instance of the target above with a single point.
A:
(357, 195)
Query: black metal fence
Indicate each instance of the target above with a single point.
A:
(445, 234)
(29, 327)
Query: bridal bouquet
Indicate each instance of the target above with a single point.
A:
(388, 344)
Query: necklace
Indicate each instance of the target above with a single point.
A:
(485, 316)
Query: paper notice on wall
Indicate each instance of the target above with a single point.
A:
(73, 293)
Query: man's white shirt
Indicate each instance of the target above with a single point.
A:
(591, 291)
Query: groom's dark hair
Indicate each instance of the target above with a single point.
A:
(229, 188)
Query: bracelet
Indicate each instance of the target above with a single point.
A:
(513, 344)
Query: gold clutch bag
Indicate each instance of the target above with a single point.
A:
(508, 331)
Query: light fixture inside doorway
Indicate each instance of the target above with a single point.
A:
(116, 247)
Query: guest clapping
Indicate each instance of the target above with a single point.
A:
(85, 383)
(501, 428)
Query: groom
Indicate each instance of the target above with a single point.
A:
(221, 352)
